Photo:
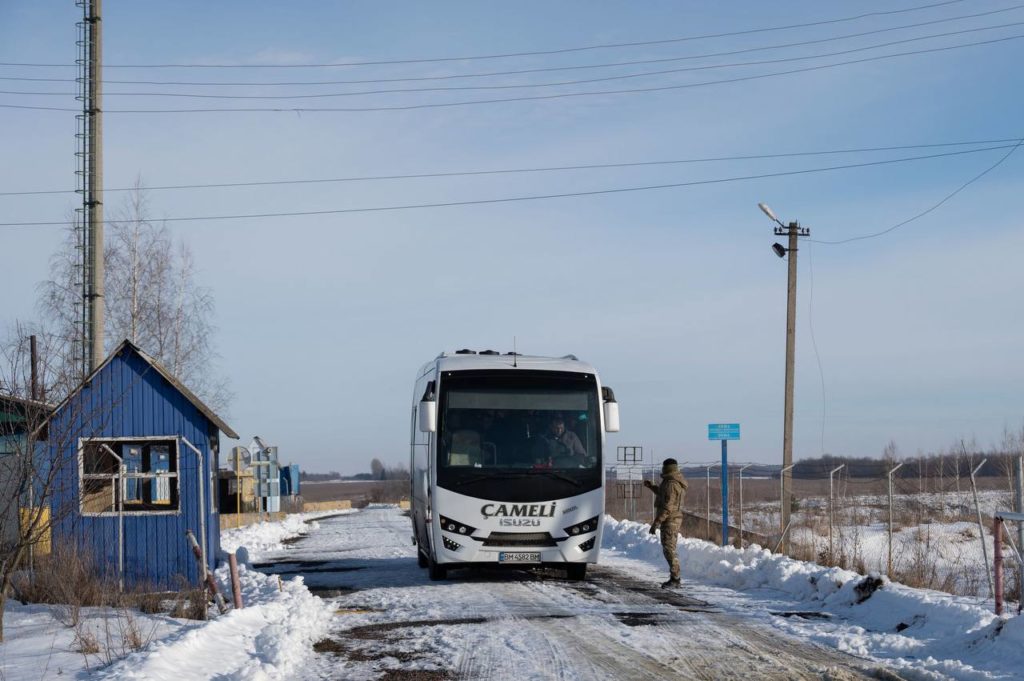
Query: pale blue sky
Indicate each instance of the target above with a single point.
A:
(674, 294)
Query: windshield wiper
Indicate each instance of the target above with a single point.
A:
(548, 471)
(520, 474)
(493, 476)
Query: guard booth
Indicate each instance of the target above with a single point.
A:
(136, 455)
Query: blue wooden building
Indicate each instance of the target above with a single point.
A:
(136, 455)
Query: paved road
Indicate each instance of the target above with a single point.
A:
(392, 622)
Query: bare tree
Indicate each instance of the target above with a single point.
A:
(31, 499)
(891, 453)
(152, 299)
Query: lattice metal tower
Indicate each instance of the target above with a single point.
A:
(88, 347)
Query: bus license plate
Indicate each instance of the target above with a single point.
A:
(518, 557)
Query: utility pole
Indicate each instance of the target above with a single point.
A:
(793, 230)
(91, 181)
(34, 370)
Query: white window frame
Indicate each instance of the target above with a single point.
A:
(126, 509)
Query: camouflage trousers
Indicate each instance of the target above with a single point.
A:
(669, 537)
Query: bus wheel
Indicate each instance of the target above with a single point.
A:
(437, 572)
(421, 560)
(577, 572)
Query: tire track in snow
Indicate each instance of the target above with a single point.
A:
(612, 626)
(529, 653)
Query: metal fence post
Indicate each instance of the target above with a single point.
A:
(889, 563)
(742, 468)
(1020, 531)
(997, 561)
(831, 512)
(707, 519)
(782, 505)
(981, 527)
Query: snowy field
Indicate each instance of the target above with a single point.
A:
(374, 592)
(937, 542)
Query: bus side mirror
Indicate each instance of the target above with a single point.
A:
(611, 417)
(428, 416)
(611, 410)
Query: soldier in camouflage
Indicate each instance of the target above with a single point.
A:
(668, 514)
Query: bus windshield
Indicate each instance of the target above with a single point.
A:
(526, 420)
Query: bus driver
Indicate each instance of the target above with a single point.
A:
(559, 443)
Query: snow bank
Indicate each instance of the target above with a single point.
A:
(267, 639)
(262, 538)
(929, 633)
(740, 569)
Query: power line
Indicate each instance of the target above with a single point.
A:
(512, 199)
(505, 100)
(564, 50)
(518, 86)
(932, 208)
(536, 70)
(505, 171)
(814, 343)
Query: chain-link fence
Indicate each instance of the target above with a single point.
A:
(925, 523)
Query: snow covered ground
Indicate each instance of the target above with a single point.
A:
(379, 612)
(919, 633)
(936, 539)
(266, 639)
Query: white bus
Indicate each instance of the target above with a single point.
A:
(507, 461)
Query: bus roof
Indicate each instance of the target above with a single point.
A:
(467, 361)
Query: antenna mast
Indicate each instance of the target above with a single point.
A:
(90, 181)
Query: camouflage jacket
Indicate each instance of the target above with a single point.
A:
(669, 497)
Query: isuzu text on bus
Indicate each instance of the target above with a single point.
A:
(507, 461)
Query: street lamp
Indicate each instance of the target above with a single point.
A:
(792, 231)
(768, 211)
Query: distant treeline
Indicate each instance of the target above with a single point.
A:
(926, 466)
(758, 470)
(306, 476)
(378, 471)
(999, 464)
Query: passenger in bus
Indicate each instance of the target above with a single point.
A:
(560, 446)
(668, 508)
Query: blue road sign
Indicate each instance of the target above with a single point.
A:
(723, 431)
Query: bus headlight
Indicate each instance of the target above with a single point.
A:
(589, 525)
(449, 525)
(450, 545)
(587, 545)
